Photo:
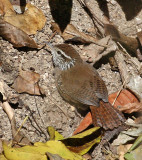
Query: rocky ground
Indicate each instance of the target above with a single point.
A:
(54, 111)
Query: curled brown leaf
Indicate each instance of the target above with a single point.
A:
(27, 82)
(131, 107)
(16, 36)
(72, 34)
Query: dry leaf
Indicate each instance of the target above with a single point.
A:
(53, 156)
(129, 42)
(86, 122)
(125, 97)
(135, 85)
(5, 6)
(80, 143)
(131, 107)
(26, 82)
(125, 136)
(95, 52)
(122, 149)
(16, 36)
(135, 152)
(72, 34)
(30, 21)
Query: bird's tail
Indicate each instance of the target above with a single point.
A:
(106, 116)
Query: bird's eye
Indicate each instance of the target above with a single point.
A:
(59, 52)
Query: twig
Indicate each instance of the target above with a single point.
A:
(97, 23)
(118, 93)
(58, 106)
(137, 66)
(122, 67)
(52, 36)
(38, 110)
(37, 124)
(20, 127)
(86, 2)
(7, 108)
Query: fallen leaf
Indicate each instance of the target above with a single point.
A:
(38, 151)
(135, 85)
(16, 36)
(131, 107)
(80, 143)
(26, 82)
(95, 52)
(5, 6)
(124, 98)
(54, 135)
(130, 134)
(129, 42)
(67, 148)
(2, 157)
(122, 149)
(23, 153)
(87, 121)
(135, 152)
(72, 34)
(30, 21)
(53, 156)
(83, 142)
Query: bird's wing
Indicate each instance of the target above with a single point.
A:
(83, 85)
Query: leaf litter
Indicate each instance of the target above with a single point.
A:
(81, 37)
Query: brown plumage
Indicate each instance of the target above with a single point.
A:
(79, 83)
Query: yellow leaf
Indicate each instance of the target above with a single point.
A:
(2, 157)
(38, 152)
(86, 133)
(57, 147)
(82, 142)
(23, 153)
(54, 135)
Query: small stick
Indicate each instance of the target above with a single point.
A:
(52, 36)
(58, 107)
(20, 127)
(118, 93)
(124, 50)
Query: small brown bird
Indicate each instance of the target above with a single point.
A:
(79, 83)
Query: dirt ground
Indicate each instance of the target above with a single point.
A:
(126, 15)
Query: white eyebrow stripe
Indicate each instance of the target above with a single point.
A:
(63, 53)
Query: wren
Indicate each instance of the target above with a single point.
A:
(79, 83)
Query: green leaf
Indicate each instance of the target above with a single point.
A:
(136, 143)
(135, 152)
